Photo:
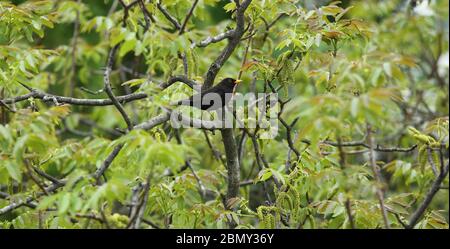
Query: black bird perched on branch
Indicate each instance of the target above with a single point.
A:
(213, 98)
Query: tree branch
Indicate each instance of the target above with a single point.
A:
(233, 169)
(428, 198)
(377, 176)
(191, 11)
(37, 94)
(168, 16)
(108, 89)
(30, 199)
(213, 39)
(228, 50)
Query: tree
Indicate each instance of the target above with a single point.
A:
(86, 139)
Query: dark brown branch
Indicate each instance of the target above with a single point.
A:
(241, 146)
(33, 177)
(6, 106)
(415, 217)
(75, 101)
(201, 187)
(213, 39)
(150, 223)
(244, 60)
(126, 10)
(348, 203)
(260, 159)
(168, 16)
(29, 199)
(289, 136)
(46, 176)
(147, 15)
(108, 89)
(431, 161)
(6, 196)
(180, 78)
(96, 175)
(348, 208)
(189, 14)
(37, 94)
(147, 125)
(90, 216)
(377, 176)
(103, 215)
(247, 183)
(215, 152)
(105, 165)
(143, 205)
(229, 141)
(232, 44)
(287, 126)
(363, 144)
(233, 170)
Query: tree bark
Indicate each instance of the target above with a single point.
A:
(233, 168)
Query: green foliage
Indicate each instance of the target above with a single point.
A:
(343, 66)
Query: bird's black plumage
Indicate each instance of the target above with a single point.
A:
(212, 101)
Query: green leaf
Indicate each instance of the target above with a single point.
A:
(127, 46)
(13, 170)
(19, 148)
(263, 175)
(134, 82)
(117, 36)
(231, 6)
(354, 107)
(64, 203)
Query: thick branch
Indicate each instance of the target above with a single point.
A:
(365, 145)
(147, 125)
(30, 199)
(233, 170)
(179, 78)
(37, 94)
(105, 165)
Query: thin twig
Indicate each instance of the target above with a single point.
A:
(415, 217)
(189, 14)
(377, 176)
(105, 165)
(108, 90)
(168, 16)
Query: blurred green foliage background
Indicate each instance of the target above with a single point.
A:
(345, 66)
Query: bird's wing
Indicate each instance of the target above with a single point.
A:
(189, 100)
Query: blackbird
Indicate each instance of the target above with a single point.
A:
(213, 98)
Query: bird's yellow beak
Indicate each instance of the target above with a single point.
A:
(237, 81)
